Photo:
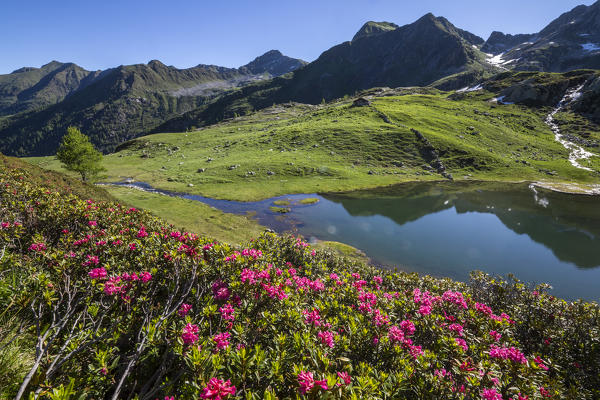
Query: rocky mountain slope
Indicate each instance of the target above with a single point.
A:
(571, 41)
(31, 88)
(380, 54)
(412, 55)
(114, 105)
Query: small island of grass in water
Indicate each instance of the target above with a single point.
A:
(309, 200)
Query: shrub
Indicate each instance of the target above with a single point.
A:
(120, 305)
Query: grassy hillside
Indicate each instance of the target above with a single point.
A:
(404, 135)
(106, 301)
(59, 181)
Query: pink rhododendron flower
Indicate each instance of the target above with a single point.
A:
(142, 232)
(145, 276)
(538, 360)
(345, 377)
(490, 394)
(247, 275)
(483, 308)
(252, 253)
(306, 381)
(326, 338)
(395, 334)
(97, 273)
(37, 247)
(312, 317)
(218, 389)
(456, 328)
(92, 223)
(221, 340)
(407, 327)
(220, 290)
(111, 287)
(91, 260)
(322, 384)
(379, 319)
(495, 335)
(190, 334)
(507, 353)
(462, 343)
(456, 298)
(184, 309)
(227, 312)
(415, 351)
(425, 310)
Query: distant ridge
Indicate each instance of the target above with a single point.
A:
(114, 105)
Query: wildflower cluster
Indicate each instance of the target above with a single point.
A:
(125, 304)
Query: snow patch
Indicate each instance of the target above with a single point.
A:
(495, 60)
(585, 34)
(576, 152)
(501, 100)
(470, 89)
(590, 46)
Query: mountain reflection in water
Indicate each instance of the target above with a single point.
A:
(450, 229)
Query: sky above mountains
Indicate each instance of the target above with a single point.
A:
(185, 33)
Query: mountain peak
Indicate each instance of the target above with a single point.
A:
(372, 28)
(273, 62)
(272, 53)
(442, 23)
(156, 65)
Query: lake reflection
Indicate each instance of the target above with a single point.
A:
(450, 229)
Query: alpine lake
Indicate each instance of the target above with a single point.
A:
(449, 229)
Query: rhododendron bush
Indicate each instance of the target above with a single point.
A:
(120, 305)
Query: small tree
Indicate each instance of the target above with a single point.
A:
(79, 155)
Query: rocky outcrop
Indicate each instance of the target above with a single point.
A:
(499, 42)
(430, 154)
(589, 102)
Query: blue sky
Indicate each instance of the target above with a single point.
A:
(184, 33)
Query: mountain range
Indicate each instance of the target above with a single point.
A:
(111, 106)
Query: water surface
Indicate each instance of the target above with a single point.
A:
(450, 229)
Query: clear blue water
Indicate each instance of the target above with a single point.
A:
(448, 230)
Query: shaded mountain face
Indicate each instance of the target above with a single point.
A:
(273, 63)
(412, 55)
(31, 88)
(115, 105)
(572, 41)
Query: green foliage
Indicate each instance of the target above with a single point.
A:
(264, 316)
(77, 154)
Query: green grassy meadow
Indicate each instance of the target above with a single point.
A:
(294, 148)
